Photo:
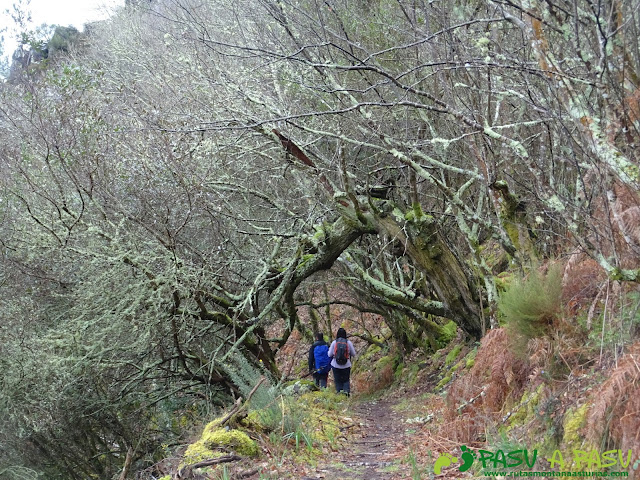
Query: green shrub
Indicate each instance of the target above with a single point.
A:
(530, 305)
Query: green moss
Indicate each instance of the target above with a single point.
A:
(397, 375)
(470, 359)
(214, 437)
(237, 440)
(444, 381)
(448, 333)
(322, 423)
(411, 377)
(534, 401)
(298, 387)
(573, 423)
(255, 421)
(366, 359)
(526, 409)
(513, 232)
(166, 477)
(452, 355)
(384, 361)
(197, 452)
(326, 400)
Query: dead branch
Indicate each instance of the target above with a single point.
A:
(239, 406)
(185, 472)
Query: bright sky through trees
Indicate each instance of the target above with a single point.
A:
(55, 12)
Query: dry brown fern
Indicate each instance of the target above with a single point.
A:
(477, 398)
(616, 408)
(540, 352)
(582, 282)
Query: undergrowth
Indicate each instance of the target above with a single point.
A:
(530, 306)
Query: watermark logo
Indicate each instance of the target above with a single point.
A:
(500, 461)
(444, 460)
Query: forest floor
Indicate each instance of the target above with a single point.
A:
(429, 417)
(390, 436)
(406, 429)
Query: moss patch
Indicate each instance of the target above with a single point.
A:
(470, 359)
(213, 438)
(447, 333)
(526, 409)
(444, 381)
(323, 421)
(574, 422)
(298, 387)
(452, 355)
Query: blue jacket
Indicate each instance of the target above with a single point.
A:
(312, 360)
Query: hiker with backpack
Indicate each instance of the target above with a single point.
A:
(341, 352)
(319, 361)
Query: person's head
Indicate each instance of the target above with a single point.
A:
(342, 333)
(319, 336)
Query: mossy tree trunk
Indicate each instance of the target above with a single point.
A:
(450, 280)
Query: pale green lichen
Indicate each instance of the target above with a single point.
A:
(482, 42)
(555, 203)
(514, 144)
(397, 214)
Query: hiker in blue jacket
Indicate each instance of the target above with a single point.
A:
(319, 361)
(341, 352)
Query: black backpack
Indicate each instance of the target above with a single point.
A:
(341, 351)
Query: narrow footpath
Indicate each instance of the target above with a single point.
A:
(375, 449)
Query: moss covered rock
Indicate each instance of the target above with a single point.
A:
(299, 387)
(216, 441)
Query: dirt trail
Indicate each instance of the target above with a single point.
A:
(375, 449)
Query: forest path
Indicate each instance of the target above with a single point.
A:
(376, 446)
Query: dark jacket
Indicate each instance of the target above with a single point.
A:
(312, 359)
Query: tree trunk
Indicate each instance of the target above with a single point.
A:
(426, 246)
